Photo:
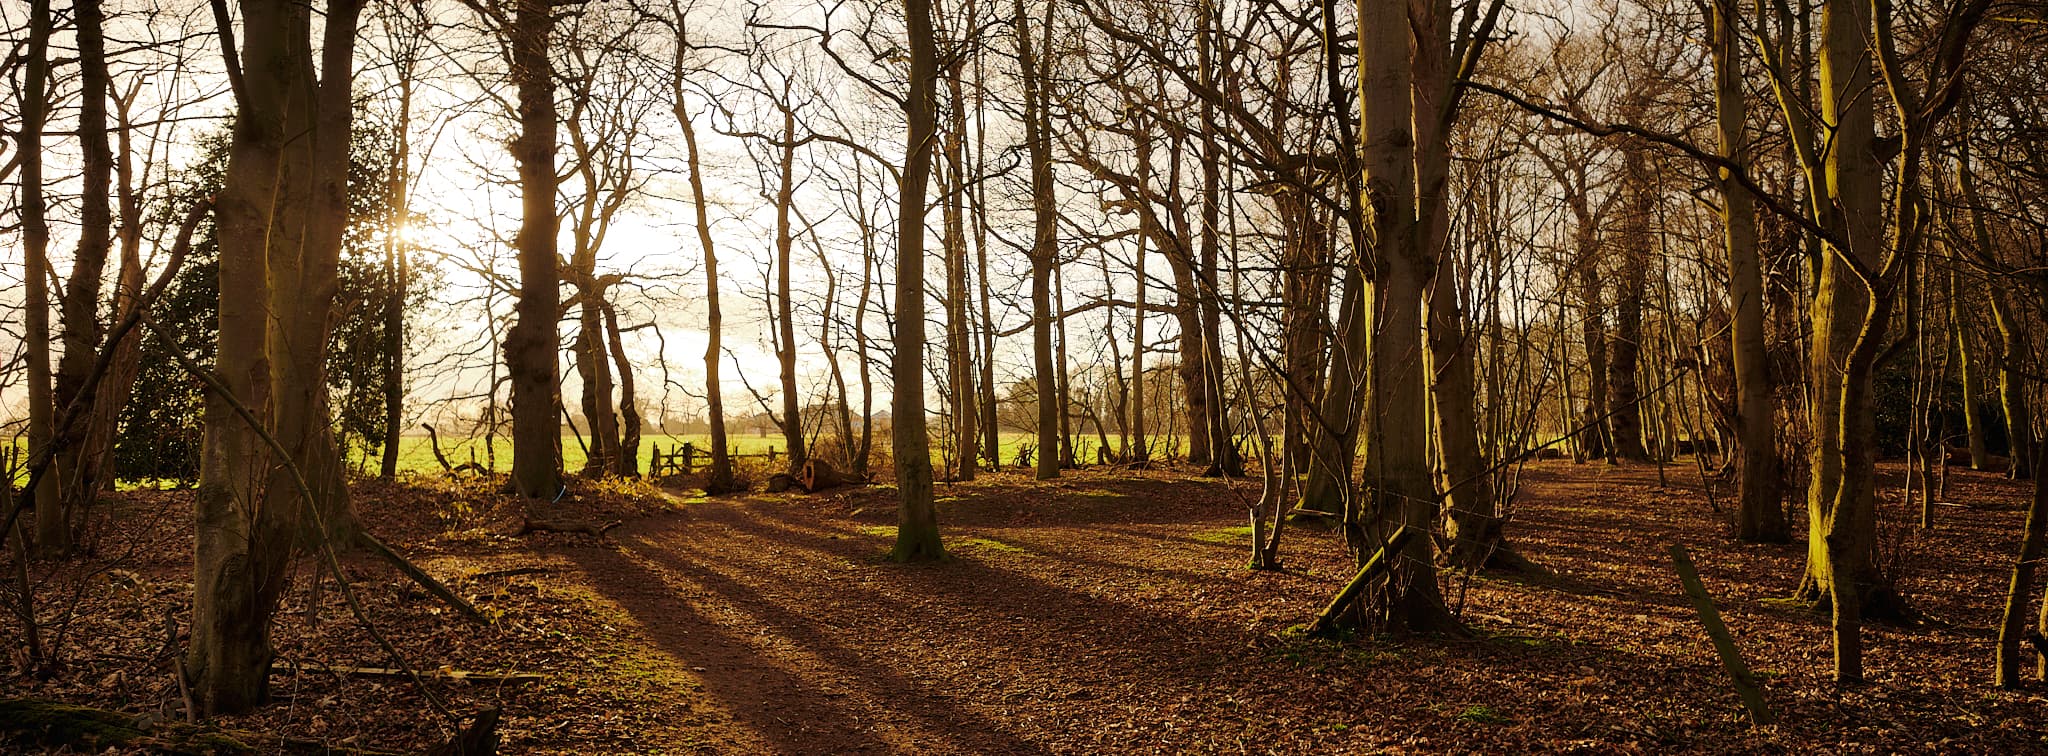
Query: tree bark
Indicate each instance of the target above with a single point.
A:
(1397, 463)
(720, 477)
(81, 301)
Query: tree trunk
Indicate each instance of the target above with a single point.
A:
(1972, 375)
(785, 318)
(626, 462)
(35, 242)
(396, 272)
(1760, 514)
(959, 347)
(1044, 252)
(917, 518)
(1397, 463)
(532, 341)
(281, 215)
(2012, 626)
(1848, 322)
(1624, 350)
(81, 300)
(720, 477)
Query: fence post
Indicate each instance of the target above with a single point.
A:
(771, 456)
(689, 451)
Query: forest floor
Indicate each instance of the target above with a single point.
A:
(1107, 612)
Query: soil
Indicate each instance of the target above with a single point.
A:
(1106, 612)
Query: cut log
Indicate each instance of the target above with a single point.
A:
(817, 475)
(781, 482)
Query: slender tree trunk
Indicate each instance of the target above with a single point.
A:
(531, 343)
(785, 318)
(1972, 376)
(917, 521)
(1044, 251)
(626, 462)
(959, 347)
(81, 301)
(396, 274)
(720, 478)
(2012, 626)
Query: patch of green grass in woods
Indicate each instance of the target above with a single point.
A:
(1482, 714)
(989, 544)
(1234, 535)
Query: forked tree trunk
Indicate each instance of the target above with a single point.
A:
(1397, 470)
(81, 301)
(627, 460)
(282, 211)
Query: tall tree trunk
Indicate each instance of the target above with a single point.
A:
(531, 342)
(2012, 393)
(112, 395)
(1397, 463)
(1849, 321)
(1597, 441)
(2012, 397)
(1140, 450)
(396, 273)
(35, 243)
(720, 478)
(959, 347)
(785, 318)
(1972, 376)
(1044, 251)
(282, 212)
(1625, 344)
(1475, 528)
(2012, 626)
(81, 301)
(1760, 514)
(917, 517)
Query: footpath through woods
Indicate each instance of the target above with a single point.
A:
(1111, 613)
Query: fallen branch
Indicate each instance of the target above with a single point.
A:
(528, 523)
(1381, 561)
(377, 673)
(1724, 643)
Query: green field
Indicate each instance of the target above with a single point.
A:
(415, 454)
